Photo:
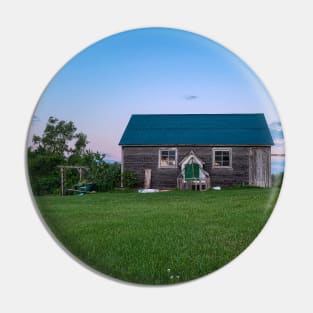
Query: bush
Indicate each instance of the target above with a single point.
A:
(130, 179)
(111, 178)
(45, 178)
(43, 173)
(105, 176)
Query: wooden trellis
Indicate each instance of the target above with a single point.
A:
(63, 169)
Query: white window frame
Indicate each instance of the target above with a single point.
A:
(176, 157)
(214, 150)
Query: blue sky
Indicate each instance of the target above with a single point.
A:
(150, 70)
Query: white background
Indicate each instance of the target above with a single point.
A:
(274, 38)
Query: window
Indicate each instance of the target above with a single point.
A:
(222, 157)
(168, 157)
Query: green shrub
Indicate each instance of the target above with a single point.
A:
(130, 179)
(44, 176)
(105, 176)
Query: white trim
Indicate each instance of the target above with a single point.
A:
(168, 149)
(190, 155)
(203, 174)
(186, 160)
(230, 166)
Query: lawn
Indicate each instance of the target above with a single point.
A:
(159, 238)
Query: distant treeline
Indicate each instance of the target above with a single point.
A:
(277, 179)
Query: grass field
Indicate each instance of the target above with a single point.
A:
(158, 238)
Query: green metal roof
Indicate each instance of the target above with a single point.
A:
(197, 129)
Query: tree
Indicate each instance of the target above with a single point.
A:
(56, 137)
(51, 149)
(81, 143)
(61, 145)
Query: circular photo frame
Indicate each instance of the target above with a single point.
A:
(155, 156)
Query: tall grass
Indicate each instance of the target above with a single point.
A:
(159, 238)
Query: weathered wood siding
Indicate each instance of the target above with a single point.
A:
(260, 166)
(242, 172)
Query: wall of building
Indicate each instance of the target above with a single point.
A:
(139, 158)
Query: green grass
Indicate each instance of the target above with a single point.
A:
(158, 238)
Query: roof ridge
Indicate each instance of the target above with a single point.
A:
(195, 114)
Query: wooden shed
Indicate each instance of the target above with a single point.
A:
(198, 150)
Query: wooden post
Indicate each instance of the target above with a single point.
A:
(147, 183)
(63, 174)
(250, 166)
(269, 167)
(80, 174)
(62, 181)
(122, 168)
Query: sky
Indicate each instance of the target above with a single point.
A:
(151, 71)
